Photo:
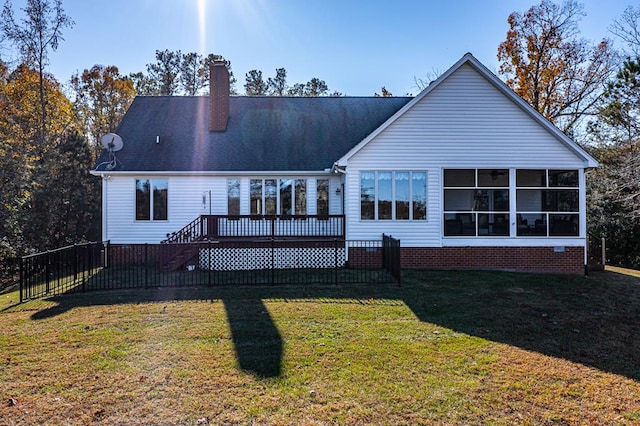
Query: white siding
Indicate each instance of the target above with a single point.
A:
(188, 197)
(463, 123)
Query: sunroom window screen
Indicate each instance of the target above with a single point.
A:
(476, 202)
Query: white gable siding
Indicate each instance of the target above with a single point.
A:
(185, 195)
(464, 122)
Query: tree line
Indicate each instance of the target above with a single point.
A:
(49, 133)
(592, 93)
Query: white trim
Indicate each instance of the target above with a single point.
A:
(514, 242)
(151, 201)
(468, 58)
(244, 173)
(582, 199)
(105, 210)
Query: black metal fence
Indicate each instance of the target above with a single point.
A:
(104, 266)
(391, 257)
(61, 270)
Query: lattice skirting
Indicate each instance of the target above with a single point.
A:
(237, 259)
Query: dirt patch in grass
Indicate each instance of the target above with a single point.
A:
(446, 347)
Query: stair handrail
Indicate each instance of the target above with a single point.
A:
(189, 233)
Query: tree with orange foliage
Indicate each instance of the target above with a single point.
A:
(546, 63)
(102, 98)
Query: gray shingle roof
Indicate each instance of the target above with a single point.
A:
(263, 133)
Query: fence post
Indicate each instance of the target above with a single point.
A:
(83, 266)
(384, 251)
(209, 262)
(335, 260)
(146, 265)
(397, 262)
(75, 263)
(107, 253)
(273, 257)
(21, 279)
(47, 269)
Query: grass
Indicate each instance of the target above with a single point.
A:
(444, 348)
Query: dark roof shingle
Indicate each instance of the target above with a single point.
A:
(263, 133)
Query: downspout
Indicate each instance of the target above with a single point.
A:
(342, 171)
(105, 233)
(582, 182)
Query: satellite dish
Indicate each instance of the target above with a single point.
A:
(112, 142)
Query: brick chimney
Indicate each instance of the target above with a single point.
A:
(218, 97)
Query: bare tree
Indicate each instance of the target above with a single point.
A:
(430, 77)
(627, 28)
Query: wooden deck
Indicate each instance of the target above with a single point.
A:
(255, 227)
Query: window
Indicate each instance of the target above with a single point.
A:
(403, 196)
(233, 196)
(385, 195)
(547, 203)
(322, 197)
(393, 195)
(476, 202)
(286, 206)
(278, 196)
(151, 199)
(270, 197)
(301, 196)
(367, 195)
(255, 196)
(419, 191)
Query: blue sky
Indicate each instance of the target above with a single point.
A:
(355, 46)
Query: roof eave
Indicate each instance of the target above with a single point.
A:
(210, 173)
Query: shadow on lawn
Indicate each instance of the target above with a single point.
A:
(592, 320)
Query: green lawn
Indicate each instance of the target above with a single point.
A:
(443, 348)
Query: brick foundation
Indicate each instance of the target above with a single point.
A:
(520, 259)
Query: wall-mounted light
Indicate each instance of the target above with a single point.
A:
(338, 191)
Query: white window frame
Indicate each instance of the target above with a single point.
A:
(151, 200)
(376, 216)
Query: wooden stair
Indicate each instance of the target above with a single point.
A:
(179, 255)
(181, 248)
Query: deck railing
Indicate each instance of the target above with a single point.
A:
(214, 227)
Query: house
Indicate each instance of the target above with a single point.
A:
(465, 174)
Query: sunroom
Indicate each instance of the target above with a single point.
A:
(504, 202)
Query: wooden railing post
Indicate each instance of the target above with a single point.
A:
(214, 233)
(273, 226)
